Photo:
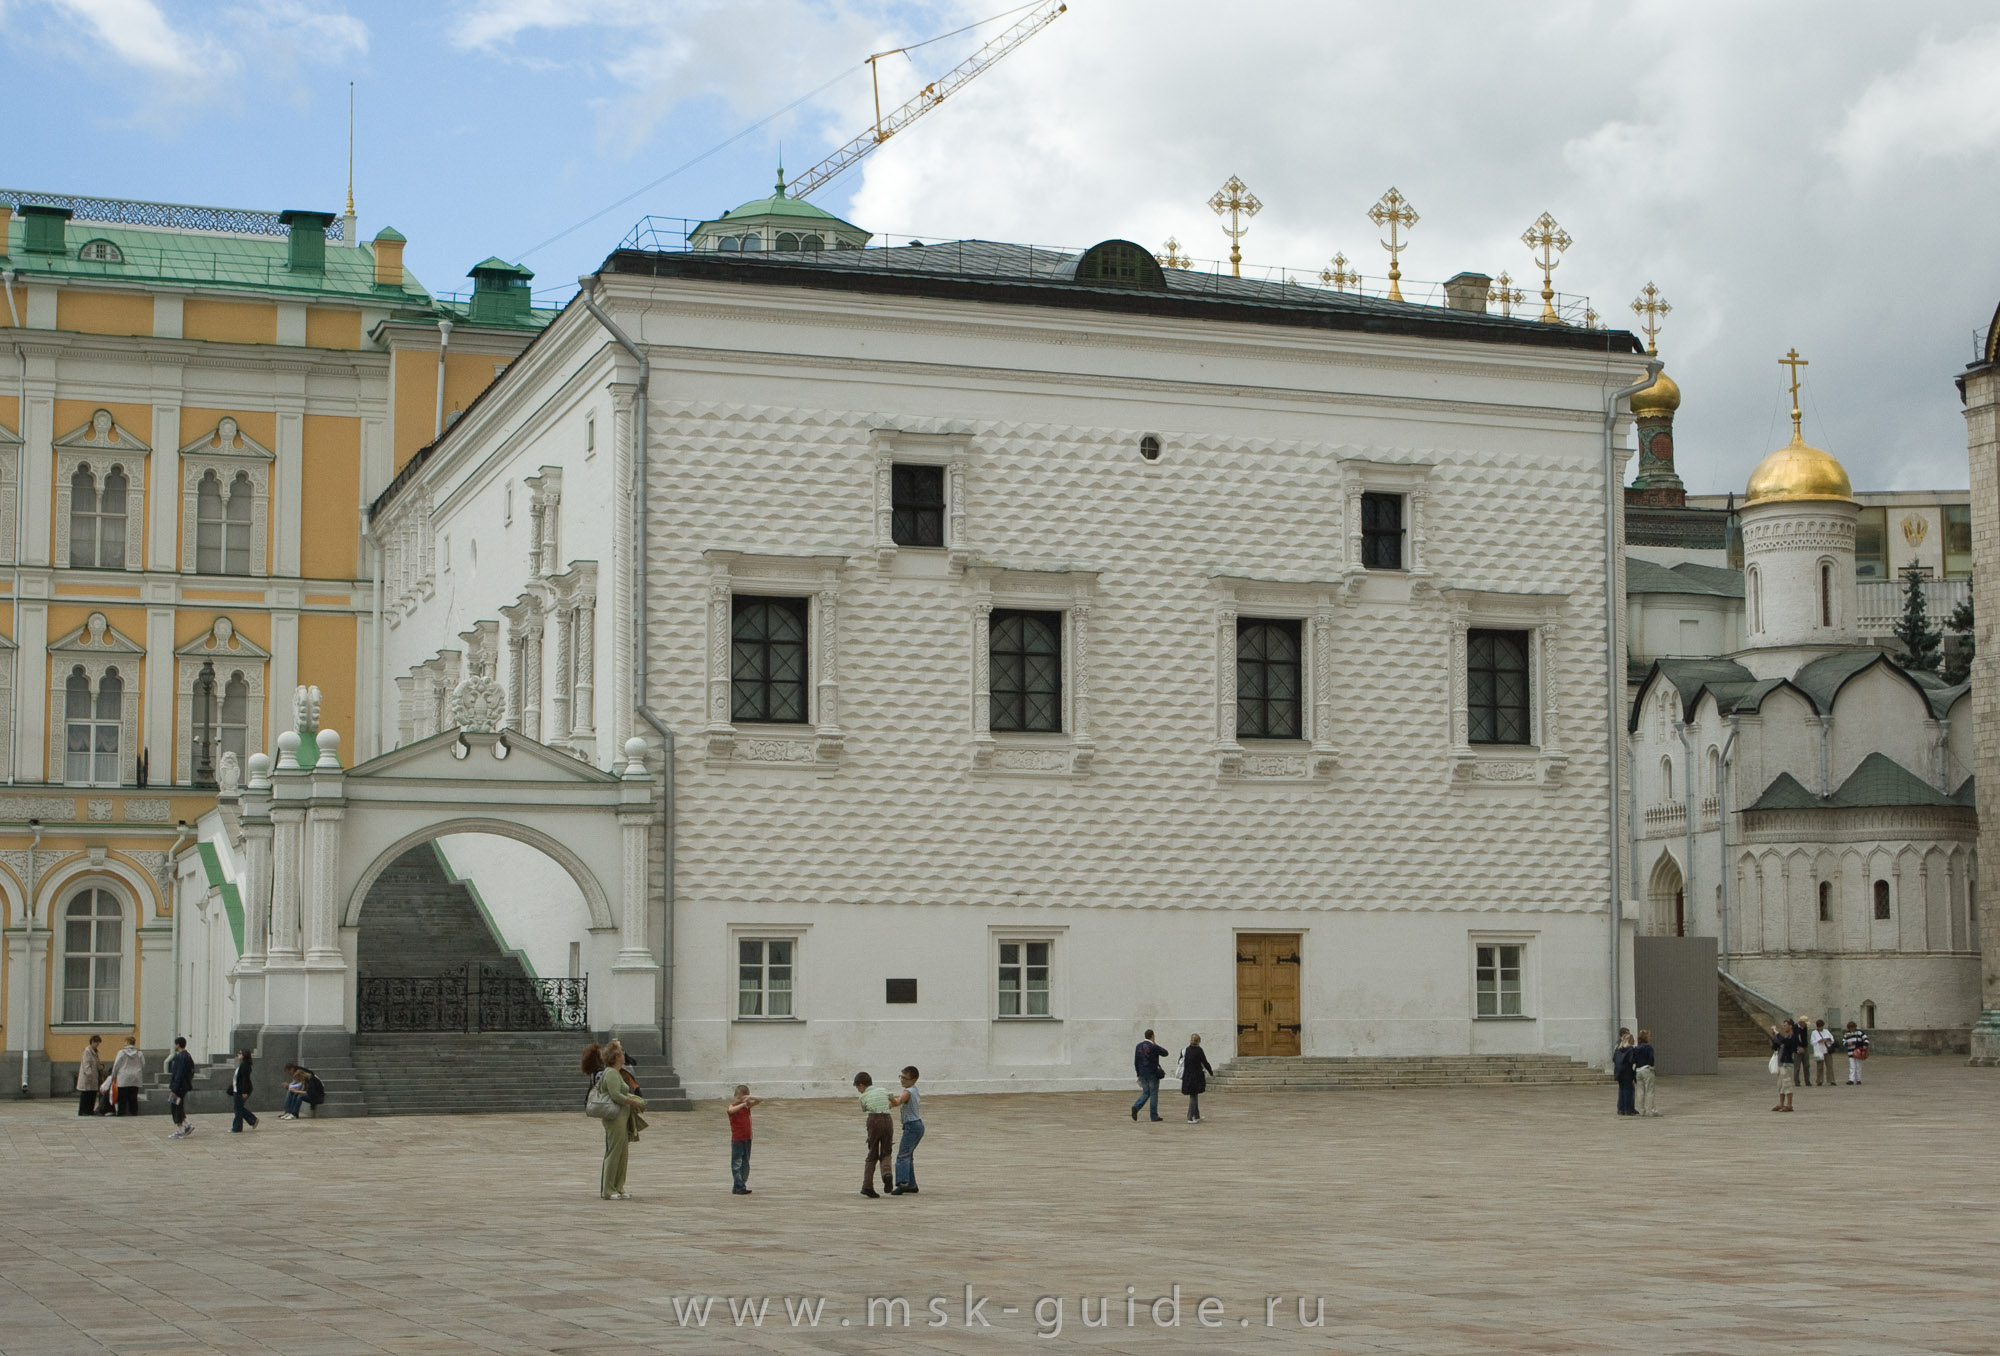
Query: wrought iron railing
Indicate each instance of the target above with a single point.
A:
(472, 998)
(180, 216)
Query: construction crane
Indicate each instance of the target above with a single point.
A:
(929, 97)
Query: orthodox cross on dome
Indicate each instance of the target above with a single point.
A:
(1394, 211)
(1590, 320)
(1170, 255)
(1239, 202)
(1795, 362)
(1543, 234)
(1649, 306)
(1339, 276)
(1505, 294)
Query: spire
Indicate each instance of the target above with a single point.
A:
(779, 191)
(350, 228)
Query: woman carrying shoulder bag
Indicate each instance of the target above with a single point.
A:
(1194, 1072)
(605, 1065)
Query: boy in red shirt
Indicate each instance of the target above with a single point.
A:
(739, 1138)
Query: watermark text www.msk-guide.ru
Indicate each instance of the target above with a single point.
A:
(1050, 1314)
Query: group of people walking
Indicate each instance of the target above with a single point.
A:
(1802, 1054)
(106, 1088)
(1192, 1071)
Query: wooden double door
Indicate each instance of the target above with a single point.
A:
(1267, 993)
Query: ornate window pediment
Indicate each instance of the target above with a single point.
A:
(225, 501)
(219, 692)
(100, 483)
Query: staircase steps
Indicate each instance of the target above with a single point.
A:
(210, 1094)
(1738, 1032)
(1337, 1073)
(436, 1074)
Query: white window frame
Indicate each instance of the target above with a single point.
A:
(795, 933)
(10, 490)
(224, 451)
(1530, 1008)
(953, 451)
(231, 652)
(1411, 480)
(96, 647)
(128, 940)
(1069, 752)
(998, 937)
(1312, 758)
(820, 743)
(1540, 762)
(101, 444)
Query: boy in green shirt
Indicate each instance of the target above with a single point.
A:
(881, 1137)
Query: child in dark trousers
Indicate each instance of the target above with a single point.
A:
(739, 1139)
(881, 1137)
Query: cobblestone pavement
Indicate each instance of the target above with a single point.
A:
(1502, 1219)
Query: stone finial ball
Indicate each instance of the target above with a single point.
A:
(329, 748)
(635, 750)
(260, 767)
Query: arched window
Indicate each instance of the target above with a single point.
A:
(1868, 1014)
(1712, 791)
(236, 526)
(1882, 899)
(82, 518)
(93, 956)
(203, 734)
(1825, 594)
(752, 243)
(788, 242)
(1120, 263)
(234, 729)
(1826, 901)
(1667, 781)
(727, 243)
(97, 519)
(1754, 589)
(811, 244)
(91, 728)
(208, 515)
(100, 252)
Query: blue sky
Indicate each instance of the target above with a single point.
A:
(1820, 175)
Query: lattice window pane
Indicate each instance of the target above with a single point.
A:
(1025, 653)
(236, 526)
(1382, 531)
(208, 518)
(82, 518)
(111, 522)
(1269, 679)
(917, 505)
(768, 654)
(1497, 687)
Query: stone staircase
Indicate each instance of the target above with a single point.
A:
(420, 921)
(1739, 1033)
(210, 1095)
(436, 1074)
(1337, 1073)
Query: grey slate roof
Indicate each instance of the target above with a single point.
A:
(1645, 576)
(1879, 781)
(1967, 794)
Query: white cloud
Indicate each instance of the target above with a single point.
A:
(1944, 102)
(136, 32)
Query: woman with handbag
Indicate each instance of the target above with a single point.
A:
(1194, 1072)
(612, 1101)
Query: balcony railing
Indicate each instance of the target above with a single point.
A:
(1666, 819)
(1881, 602)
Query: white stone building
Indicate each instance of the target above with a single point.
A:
(1799, 794)
(1044, 647)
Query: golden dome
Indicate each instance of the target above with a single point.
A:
(1798, 471)
(1662, 397)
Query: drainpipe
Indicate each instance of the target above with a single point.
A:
(1614, 664)
(1722, 803)
(1689, 784)
(1825, 756)
(7, 278)
(444, 342)
(646, 713)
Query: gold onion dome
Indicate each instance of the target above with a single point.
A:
(1662, 397)
(1798, 471)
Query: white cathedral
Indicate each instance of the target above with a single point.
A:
(973, 655)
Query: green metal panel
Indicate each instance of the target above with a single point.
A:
(232, 899)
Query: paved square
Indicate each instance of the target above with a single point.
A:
(1509, 1219)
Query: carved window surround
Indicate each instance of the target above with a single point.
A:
(544, 522)
(1072, 593)
(953, 451)
(574, 602)
(1412, 480)
(408, 558)
(526, 631)
(227, 450)
(1541, 762)
(231, 654)
(10, 491)
(97, 648)
(818, 746)
(1311, 759)
(101, 444)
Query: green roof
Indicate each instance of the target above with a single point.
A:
(493, 263)
(210, 259)
(778, 205)
(390, 233)
(1878, 782)
(1644, 576)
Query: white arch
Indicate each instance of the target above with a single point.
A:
(594, 898)
(140, 889)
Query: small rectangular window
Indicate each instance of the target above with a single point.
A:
(767, 659)
(1497, 981)
(916, 505)
(1025, 654)
(1497, 687)
(1871, 544)
(1382, 531)
(1269, 679)
(900, 991)
(764, 977)
(1958, 541)
(1024, 979)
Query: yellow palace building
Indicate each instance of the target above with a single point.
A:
(195, 406)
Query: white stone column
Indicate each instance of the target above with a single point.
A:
(31, 685)
(27, 1010)
(163, 476)
(284, 676)
(154, 1022)
(531, 675)
(38, 457)
(288, 494)
(583, 714)
(162, 685)
(635, 973)
(565, 619)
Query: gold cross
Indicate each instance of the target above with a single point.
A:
(1506, 294)
(1590, 318)
(1171, 256)
(1339, 276)
(1795, 362)
(1394, 210)
(1543, 234)
(1650, 306)
(1239, 202)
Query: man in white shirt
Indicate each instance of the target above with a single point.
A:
(1822, 1042)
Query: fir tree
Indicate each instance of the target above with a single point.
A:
(1920, 640)
(1958, 664)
